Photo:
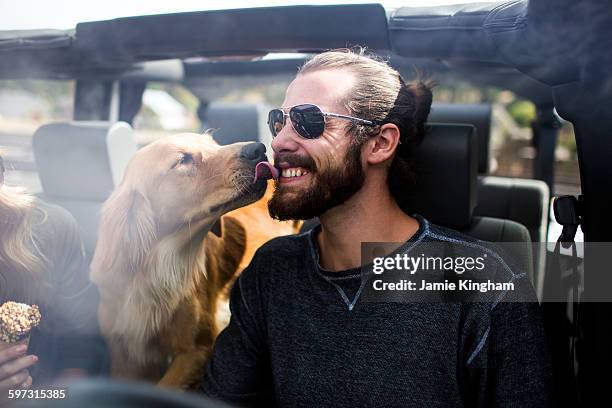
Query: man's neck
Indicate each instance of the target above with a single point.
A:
(371, 215)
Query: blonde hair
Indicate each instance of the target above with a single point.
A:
(21, 262)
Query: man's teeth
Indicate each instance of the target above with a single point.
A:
(294, 172)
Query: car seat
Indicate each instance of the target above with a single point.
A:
(79, 165)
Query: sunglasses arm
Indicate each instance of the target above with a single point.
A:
(354, 119)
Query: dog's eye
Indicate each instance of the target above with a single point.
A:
(185, 158)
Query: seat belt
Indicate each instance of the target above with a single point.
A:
(568, 212)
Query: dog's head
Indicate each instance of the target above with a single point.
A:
(189, 178)
(178, 184)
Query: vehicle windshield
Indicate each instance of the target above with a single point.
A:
(164, 229)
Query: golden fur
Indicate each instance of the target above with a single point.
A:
(160, 271)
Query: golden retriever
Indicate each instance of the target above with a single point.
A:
(161, 273)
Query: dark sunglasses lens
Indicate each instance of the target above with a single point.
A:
(276, 121)
(307, 120)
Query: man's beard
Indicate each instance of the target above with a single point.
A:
(330, 187)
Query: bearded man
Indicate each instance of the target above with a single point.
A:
(300, 334)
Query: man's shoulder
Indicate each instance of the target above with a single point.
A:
(277, 260)
(282, 249)
(496, 262)
(436, 232)
(465, 245)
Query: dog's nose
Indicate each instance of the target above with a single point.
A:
(254, 152)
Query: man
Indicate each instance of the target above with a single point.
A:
(300, 334)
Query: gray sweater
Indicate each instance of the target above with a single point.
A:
(301, 336)
(69, 335)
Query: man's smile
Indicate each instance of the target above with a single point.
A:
(294, 169)
(293, 175)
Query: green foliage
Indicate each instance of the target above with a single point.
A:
(523, 112)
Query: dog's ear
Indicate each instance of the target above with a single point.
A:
(217, 228)
(223, 256)
(141, 229)
(126, 234)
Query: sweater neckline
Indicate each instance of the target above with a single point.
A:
(356, 272)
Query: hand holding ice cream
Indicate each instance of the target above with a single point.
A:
(16, 322)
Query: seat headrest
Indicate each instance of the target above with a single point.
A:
(445, 164)
(478, 115)
(239, 122)
(82, 160)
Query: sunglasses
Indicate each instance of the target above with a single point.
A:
(307, 120)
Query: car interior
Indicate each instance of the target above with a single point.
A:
(553, 53)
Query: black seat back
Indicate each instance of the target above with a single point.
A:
(524, 201)
(239, 122)
(477, 115)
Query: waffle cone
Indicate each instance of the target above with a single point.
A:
(4, 345)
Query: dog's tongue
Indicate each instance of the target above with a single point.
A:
(265, 170)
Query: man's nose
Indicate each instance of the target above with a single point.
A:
(253, 153)
(284, 140)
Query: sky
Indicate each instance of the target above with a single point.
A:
(64, 14)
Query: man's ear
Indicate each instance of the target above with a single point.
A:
(384, 144)
(217, 228)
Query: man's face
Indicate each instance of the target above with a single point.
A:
(330, 165)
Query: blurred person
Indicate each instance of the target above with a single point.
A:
(299, 334)
(42, 262)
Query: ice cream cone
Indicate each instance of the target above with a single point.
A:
(16, 322)
(4, 345)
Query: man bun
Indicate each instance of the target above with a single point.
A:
(421, 92)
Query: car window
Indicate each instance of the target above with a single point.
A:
(25, 105)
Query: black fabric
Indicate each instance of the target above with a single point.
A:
(445, 165)
(478, 115)
(250, 31)
(294, 340)
(232, 123)
(130, 100)
(68, 336)
(460, 30)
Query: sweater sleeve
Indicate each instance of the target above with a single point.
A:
(78, 343)
(239, 369)
(511, 366)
